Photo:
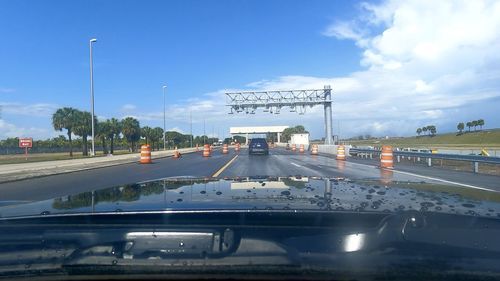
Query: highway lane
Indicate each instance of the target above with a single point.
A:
(190, 165)
(280, 162)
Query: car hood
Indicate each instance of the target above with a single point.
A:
(268, 193)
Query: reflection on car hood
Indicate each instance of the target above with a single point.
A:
(269, 193)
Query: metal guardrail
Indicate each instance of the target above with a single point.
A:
(457, 157)
(474, 159)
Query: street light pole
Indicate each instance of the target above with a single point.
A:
(93, 40)
(164, 118)
(191, 126)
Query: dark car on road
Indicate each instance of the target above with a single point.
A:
(258, 146)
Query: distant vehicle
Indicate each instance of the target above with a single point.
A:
(258, 146)
(287, 146)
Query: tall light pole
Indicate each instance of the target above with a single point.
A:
(191, 126)
(93, 40)
(164, 122)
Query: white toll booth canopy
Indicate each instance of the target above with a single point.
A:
(258, 130)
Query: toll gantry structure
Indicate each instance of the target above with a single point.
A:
(273, 101)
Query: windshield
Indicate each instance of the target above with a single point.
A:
(371, 124)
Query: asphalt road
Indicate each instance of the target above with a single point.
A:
(280, 162)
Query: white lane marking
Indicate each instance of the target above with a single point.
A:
(295, 164)
(224, 167)
(429, 178)
(441, 180)
(417, 175)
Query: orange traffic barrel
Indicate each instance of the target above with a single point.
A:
(301, 148)
(206, 150)
(294, 147)
(197, 148)
(237, 148)
(386, 158)
(211, 147)
(225, 149)
(341, 152)
(314, 150)
(145, 154)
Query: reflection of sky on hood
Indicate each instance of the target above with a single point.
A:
(265, 194)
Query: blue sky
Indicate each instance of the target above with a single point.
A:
(199, 49)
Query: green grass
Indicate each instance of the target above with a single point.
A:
(38, 157)
(487, 139)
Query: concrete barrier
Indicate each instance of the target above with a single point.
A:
(332, 149)
(11, 172)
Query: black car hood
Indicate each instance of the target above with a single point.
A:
(268, 193)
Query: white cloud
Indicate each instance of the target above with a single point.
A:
(8, 130)
(176, 129)
(37, 109)
(423, 62)
(345, 30)
(129, 107)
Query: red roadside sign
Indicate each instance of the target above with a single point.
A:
(25, 142)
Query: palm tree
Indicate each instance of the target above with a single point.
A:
(419, 131)
(480, 123)
(103, 129)
(157, 136)
(147, 133)
(132, 131)
(115, 128)
(83, 128)
(432, 130)
(469, 125)
(474, 124)
(64, 118)
(460, 127)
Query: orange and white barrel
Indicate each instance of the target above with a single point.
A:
(237, 148)
(340, 152)
(225, 150)
(206, 150)
(314, 149)
(301, 148)
(294, 147)
(211, 147)
(197, 148)
(386, 157)
(145, 154)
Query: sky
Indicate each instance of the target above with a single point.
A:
(393, 66)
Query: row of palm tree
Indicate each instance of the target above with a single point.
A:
(470, 124)
(79, 123)
(430, 129)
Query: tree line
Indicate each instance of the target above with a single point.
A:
(79, 123)
(128, 129)
(109, 134)
(429, 130)
(288, 132)
(470, 124)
